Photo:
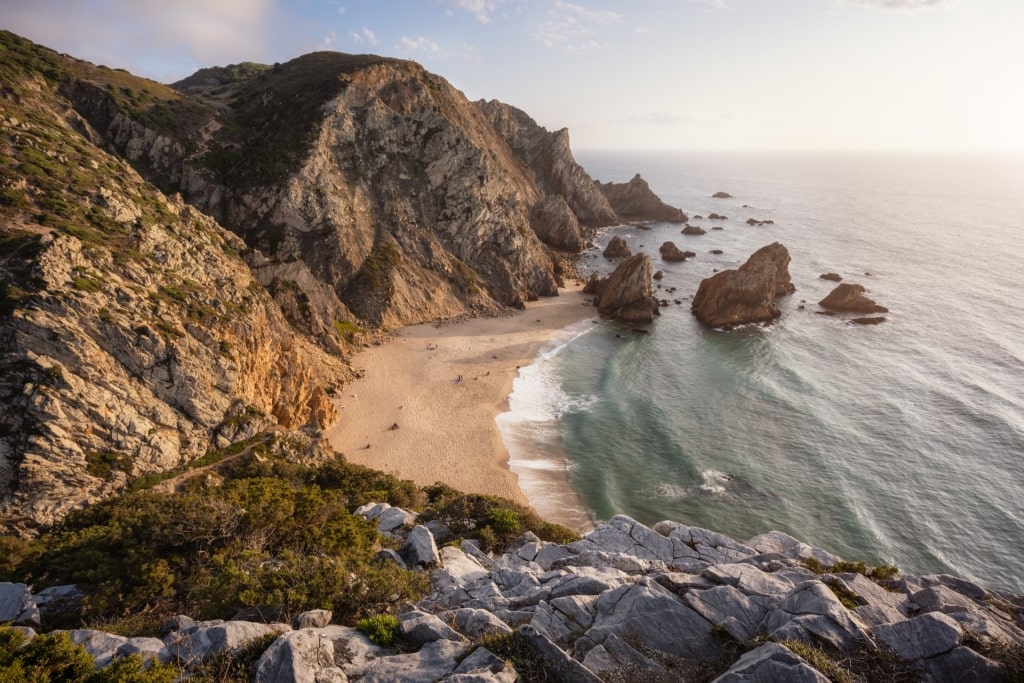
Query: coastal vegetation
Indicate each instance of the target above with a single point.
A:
(264, 534)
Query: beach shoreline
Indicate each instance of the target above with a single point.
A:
(426, 405)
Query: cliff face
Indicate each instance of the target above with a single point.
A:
(132, 336)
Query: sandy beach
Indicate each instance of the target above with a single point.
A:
(425, 407)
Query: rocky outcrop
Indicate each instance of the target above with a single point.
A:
(849, 298)
(717, 217)
(555, 224)
(548, 155)
(721, 195)
(694, 230)
(755, 221)
(133, 337)
(626, 294)
(617, 248)
(745, 295)
(625, 598)
(635, 201)
(834, 277)
(670, 252)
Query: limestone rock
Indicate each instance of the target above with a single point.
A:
(315, 618)
(670, 252)
(850, 298)
(635, 201)
(626, 294)
(617, 248)
(745, 295)
(431, 663)
(922, 637)
(419, 549)
(771, 662)
(302, 656)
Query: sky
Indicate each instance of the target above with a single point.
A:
(749, 75)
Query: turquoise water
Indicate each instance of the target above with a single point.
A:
(902, 442)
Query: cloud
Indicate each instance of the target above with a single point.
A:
(573, 27)
(901, 4)
(669, 119)
(365, 36)
(419, 44)
(481, 9)
(145, 34)
(720, 4)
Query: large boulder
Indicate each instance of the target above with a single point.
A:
(617, 248)
(555, 224)
(635, 201)
(626, 294)
(694, 230)
(747, 294)
(849, 298)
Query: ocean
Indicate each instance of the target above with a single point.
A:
(900, 443)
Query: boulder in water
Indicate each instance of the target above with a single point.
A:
(694, 230)
(747, 294)
(626, 293)
(721, 195)
(849, 298)
(670, 252)
(617, 248)
(834, 277)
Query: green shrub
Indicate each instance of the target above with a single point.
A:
(55, 658)
(381, 629)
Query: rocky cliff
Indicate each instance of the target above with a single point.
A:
(133, 338)
(635, 201)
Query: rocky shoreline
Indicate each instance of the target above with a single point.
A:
(625, 602)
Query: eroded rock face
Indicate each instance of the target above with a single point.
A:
(745, 295)
(548, 155)
(635, 201)
(555, 224)
(849, 298)
(626, 294)
(139, 339)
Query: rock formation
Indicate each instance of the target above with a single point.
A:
(747, 294)
(754, 221)
(721, 195)
(670, 252)
(626, 294)
(548, 155)
(617, 248)
(834, 277)
(635, 201)
(717, 217)
(555, 224)
(694, 230)
(849, 298)
(625, 598)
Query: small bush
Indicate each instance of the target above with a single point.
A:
(381, 629)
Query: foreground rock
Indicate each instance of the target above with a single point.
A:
(629, 598)
(849, 298)
(626, 294)
(635, 201)
(745, 295)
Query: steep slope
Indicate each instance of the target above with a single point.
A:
(374, 192)
(132, 335)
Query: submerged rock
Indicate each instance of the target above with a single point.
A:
(721, 195)
(747, 294)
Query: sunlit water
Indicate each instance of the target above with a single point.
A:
(902, 442)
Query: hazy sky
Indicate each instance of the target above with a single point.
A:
(642, 74)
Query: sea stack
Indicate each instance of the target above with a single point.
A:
(747, 294)
(626, 294)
